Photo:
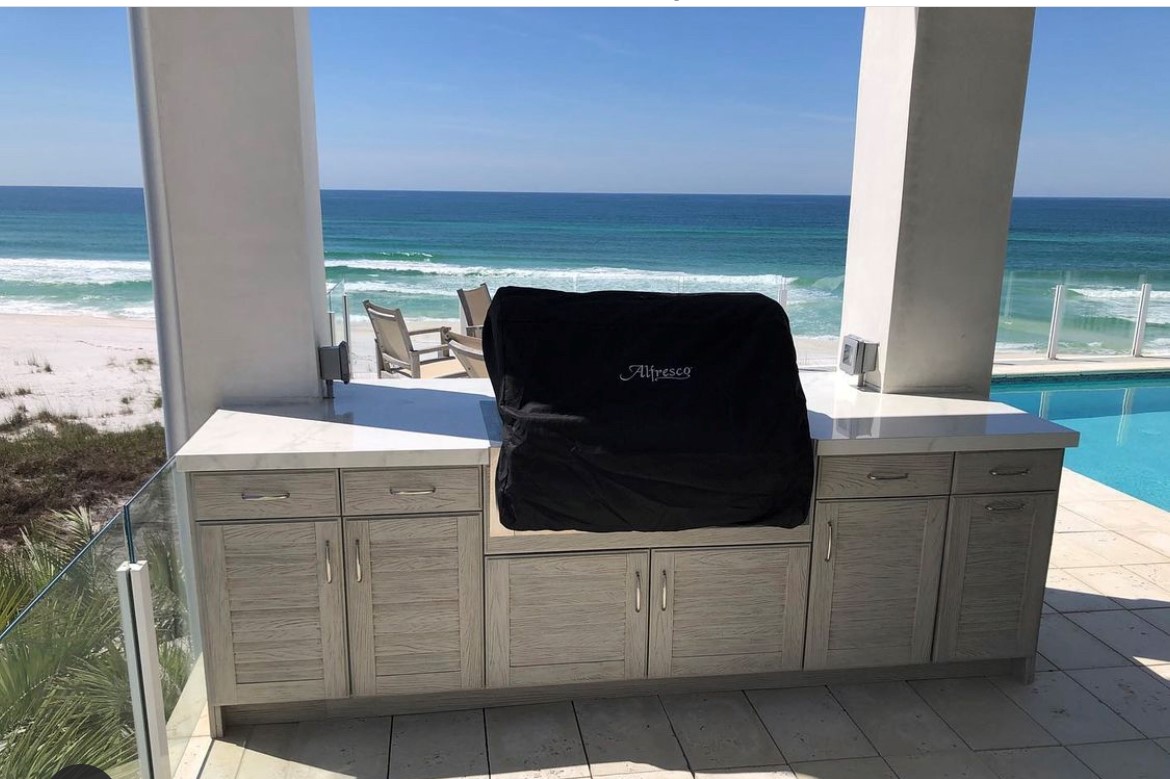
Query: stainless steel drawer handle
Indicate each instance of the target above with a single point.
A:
(260, 496)
(664, 589)
(328, 565)
(637, 591)
(1010, 472)
(357, 542)
(408, 493)
(887, 476)
(829, 546)
(1015, 506)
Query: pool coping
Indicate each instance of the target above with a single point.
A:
(1085, 367)
(1023, 379)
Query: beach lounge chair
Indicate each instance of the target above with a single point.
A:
(473, 306)
(396, 352)
(469, 351)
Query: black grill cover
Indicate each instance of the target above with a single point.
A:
(646, 411)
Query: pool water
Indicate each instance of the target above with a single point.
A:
(1124, 422)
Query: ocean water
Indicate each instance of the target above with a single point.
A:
(78, 250)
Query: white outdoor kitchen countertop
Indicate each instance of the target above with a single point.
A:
(435, 422)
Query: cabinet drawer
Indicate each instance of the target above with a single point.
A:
(265, 494)
(1029, 470)
(411, 490)
(884, 476)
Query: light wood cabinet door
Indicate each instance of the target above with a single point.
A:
(415, 589)
(274, 607)
(727, 610)
(993, 576)
(554, 619)
(874, 582)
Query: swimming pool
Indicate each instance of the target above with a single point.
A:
(1124, 422)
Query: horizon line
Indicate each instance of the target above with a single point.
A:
(596, 192)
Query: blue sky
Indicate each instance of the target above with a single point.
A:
(668, 100)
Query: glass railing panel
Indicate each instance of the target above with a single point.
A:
(64, 684)
(1100, 311)
(161, 539)
(1156, 342)
(1025, 313)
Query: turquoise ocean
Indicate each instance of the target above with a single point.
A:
(84, 251)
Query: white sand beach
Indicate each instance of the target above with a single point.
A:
(104, 370)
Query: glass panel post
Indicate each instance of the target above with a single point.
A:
(1054, 324)
(1139, 329)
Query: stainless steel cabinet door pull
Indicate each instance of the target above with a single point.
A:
(887, 476)
(664, 589)
(1010, 472)
(829, 546)
(408, 493)
(637, 591)
(357, 542)
(1014, 506)
(328, 565)
(262, 496)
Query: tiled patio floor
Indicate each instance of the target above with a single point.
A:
(1100, 705)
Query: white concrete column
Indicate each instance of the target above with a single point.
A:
(939, 107)
(229, 146)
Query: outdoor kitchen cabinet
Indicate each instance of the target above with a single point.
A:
(274, 610)
(415, 595)
(993, 575)
(305, 608)
(727, 610)
(874, 581)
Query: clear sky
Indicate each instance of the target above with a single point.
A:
(660, 100)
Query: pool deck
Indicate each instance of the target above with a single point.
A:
(1099, 707)
(1039, 366)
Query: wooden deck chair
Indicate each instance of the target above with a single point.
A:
(469, 351)
(473, 306)
(396, 352)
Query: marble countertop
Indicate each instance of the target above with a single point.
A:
(435, 422)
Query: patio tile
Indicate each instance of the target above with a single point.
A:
(1158, 540)
(720, 730)
(1067, 645)
(269, 750)
(852, 768)
(357, 748)
(1076, 487)
(1113, 548)
(895, 719)
(1159, 618)
(1068, 521)
(1125, 760)
(1067, 593)
(1067, 710)
(1164, 743)
(1036, 763)
(225, 755)
(446, 744)
(1125, 585)
(1158, 573)
(535, 742)
(1067, 553)
(981, 714)
(1129, 634)
(941, 765)
(629, 736)
(1137, 695)
(766, 772)
(1123, 516)
(808, 723)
